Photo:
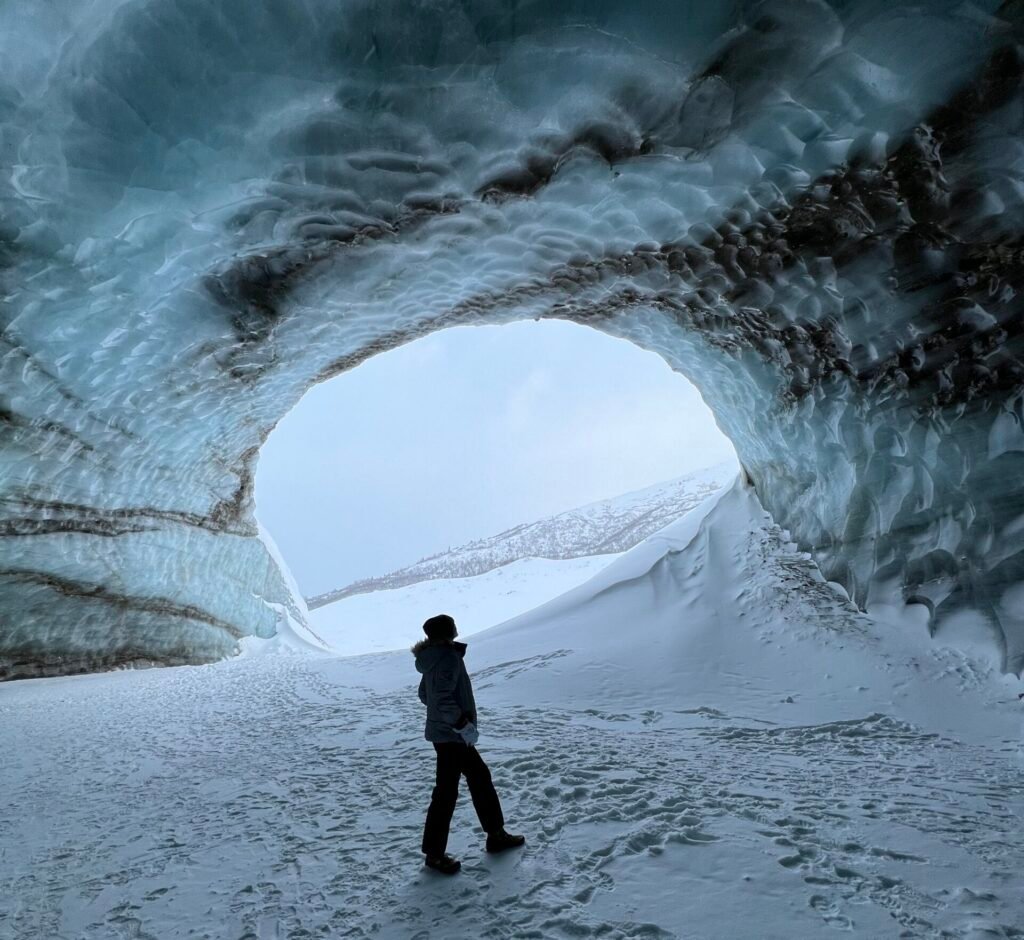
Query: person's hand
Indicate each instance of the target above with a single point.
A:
(469, 733)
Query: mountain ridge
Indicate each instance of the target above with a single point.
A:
(602, 527)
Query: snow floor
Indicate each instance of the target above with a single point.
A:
(703, 741)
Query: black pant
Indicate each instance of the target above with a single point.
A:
(454, 760)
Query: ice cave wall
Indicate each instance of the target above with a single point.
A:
(812, 210)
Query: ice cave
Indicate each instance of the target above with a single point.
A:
(813, 210)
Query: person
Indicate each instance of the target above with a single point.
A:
(452, 728)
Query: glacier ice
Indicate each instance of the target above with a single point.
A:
(812, 210)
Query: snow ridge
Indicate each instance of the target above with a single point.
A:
(605, 527)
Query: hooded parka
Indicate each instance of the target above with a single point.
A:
(445, 689)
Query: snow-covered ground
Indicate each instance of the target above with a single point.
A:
(493, 579)
(388, 620)
(703, 741)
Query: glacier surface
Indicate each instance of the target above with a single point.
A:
(813, 210)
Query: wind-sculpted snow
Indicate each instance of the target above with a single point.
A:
(813, 211)
(607, 527)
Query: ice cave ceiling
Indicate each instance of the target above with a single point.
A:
(812, 210)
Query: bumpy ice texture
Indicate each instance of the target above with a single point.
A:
(812, 210)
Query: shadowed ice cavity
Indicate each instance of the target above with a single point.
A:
(814, 211)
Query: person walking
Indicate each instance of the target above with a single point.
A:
(451, 726)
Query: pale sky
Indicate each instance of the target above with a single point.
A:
(464, 433)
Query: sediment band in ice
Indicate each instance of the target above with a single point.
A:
(814, 211)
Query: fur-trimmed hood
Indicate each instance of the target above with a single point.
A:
(445, 689)
(430, 652)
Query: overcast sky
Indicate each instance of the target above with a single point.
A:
(465, 433)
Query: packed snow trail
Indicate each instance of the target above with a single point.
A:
(745, 757)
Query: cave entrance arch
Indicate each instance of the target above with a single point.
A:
(175, 572)
(459, 436)
(822, 234)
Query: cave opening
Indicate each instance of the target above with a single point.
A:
(374, 483)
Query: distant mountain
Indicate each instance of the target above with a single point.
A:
(606, 527)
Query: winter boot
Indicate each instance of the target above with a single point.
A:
(500, 840)
(444, 864)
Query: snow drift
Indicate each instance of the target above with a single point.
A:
(493, 579)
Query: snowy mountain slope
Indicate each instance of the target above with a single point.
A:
(606, 527)
(510, 573)
(703, 741)
(390, 619)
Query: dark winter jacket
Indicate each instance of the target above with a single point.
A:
(445, 689)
